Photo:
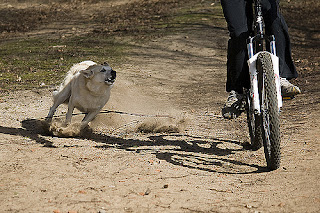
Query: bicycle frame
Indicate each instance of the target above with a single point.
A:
(258, 43)
(259, 37)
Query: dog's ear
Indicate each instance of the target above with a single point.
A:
(88, 73)
(105, 64)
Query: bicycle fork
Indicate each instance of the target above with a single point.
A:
(254, 93)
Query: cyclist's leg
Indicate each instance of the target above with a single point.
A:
(276, 25)
(238, 14)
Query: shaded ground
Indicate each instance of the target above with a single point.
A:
(171, 64)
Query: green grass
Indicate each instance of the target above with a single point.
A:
(29, 63)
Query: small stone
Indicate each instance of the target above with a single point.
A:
(148, 191)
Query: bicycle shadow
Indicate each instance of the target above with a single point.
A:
(186, 154)
(172, 148)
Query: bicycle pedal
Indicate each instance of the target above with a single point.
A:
(287, 98)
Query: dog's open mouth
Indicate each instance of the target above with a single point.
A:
(109, 81)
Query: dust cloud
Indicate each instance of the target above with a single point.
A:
(129, 111)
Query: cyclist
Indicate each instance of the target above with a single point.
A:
(239, 17)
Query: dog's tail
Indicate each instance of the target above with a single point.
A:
(74, 70)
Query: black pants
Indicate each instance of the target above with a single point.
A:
(239, 16)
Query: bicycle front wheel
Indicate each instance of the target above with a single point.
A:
(270, 121)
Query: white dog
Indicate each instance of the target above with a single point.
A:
(86, 87)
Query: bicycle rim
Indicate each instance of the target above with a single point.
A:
(270, 122)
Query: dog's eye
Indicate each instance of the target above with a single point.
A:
(103, 70)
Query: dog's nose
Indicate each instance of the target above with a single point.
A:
(113, 74)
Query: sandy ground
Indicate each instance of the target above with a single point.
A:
(175, 82)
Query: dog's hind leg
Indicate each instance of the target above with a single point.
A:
(52, 111)
(59, 98)
(69, 113)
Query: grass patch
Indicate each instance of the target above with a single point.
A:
(203, 14)
(35, 62)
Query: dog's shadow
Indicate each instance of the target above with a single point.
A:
(187, 150)
(31, 128)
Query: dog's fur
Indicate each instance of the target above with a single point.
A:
(86, 87)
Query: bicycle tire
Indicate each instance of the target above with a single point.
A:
(254, 122)
(270, 117)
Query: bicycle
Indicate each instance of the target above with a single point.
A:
(264, 99)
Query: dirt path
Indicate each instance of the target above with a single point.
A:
(203, 168)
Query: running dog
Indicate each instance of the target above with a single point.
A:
(86, 87)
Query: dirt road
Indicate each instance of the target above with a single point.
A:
(191, 160)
